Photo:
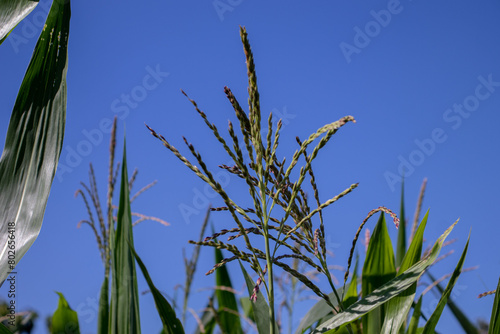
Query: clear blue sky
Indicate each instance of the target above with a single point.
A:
(421, 78)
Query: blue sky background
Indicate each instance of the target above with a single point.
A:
(403, 79)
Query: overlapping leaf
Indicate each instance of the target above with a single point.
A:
(34, 140)
(11, 13)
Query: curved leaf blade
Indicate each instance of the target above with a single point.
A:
(387, 291)
(34, 140)
(11, 13)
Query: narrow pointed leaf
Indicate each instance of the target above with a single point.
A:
(11, 13)
(64, 320)
(171, 324)
(466, 324)
(34, 140)
(319, 311)
(260, 306)
(495, 313)
(124, 317)
(387, 291)
(397, 309)
(430, 326)
(207, 319)
(352, 295)
(378, 269)
(401, 243)
(413, 327)
(103, 313)
(226, 300)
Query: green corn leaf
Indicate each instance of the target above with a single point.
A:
(64, 320)
(260, 306)
(171, 324)
(103, 313)
(124, 313)
(466, 324)
(378, 269)
(401, 243)
(318, 312)
(387, 291)
(430, 326)
(4, 330)
(352, 295)
(34, 141)
(11, 13)
(413, 327)
(495, 313)
(397, 309)
(227, 306)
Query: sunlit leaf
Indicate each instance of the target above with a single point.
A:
(124, 312)
(34, 141)
(226, 300)
(11, 13)
(64, 320)
(397, 309)
(387, 291)
(495, 313)
(378, 269)
(103, 313)
(430, 326)
(412, 328)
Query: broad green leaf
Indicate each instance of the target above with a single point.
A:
(64, 320)
(171, 324)
(401, 243)
(430, 326)
(34, 141)
(319, 311)
(103, 313)
(413, 327)
(397, 309)
(260, 306)
(124, 313)
(387, 291)
(11, 13)
(226, 300)
(466, 324)
(378, 269)
(495, 313)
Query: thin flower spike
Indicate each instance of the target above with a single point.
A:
(371, 213)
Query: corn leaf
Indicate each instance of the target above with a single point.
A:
(397, 309)
(11, 13)
(430, 326)
(124, 313)
(413, 327)
(387, 291)
(34, 141)
(352, 295)
(378, 269)
(103, 313)
(401, 243)
(227, 306)
(260, 306)
(64, 320)
(466, 324)
(319, 311)
(4, 330)
(171, 324)
(495, 313)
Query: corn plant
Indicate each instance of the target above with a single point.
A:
(35, 134)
